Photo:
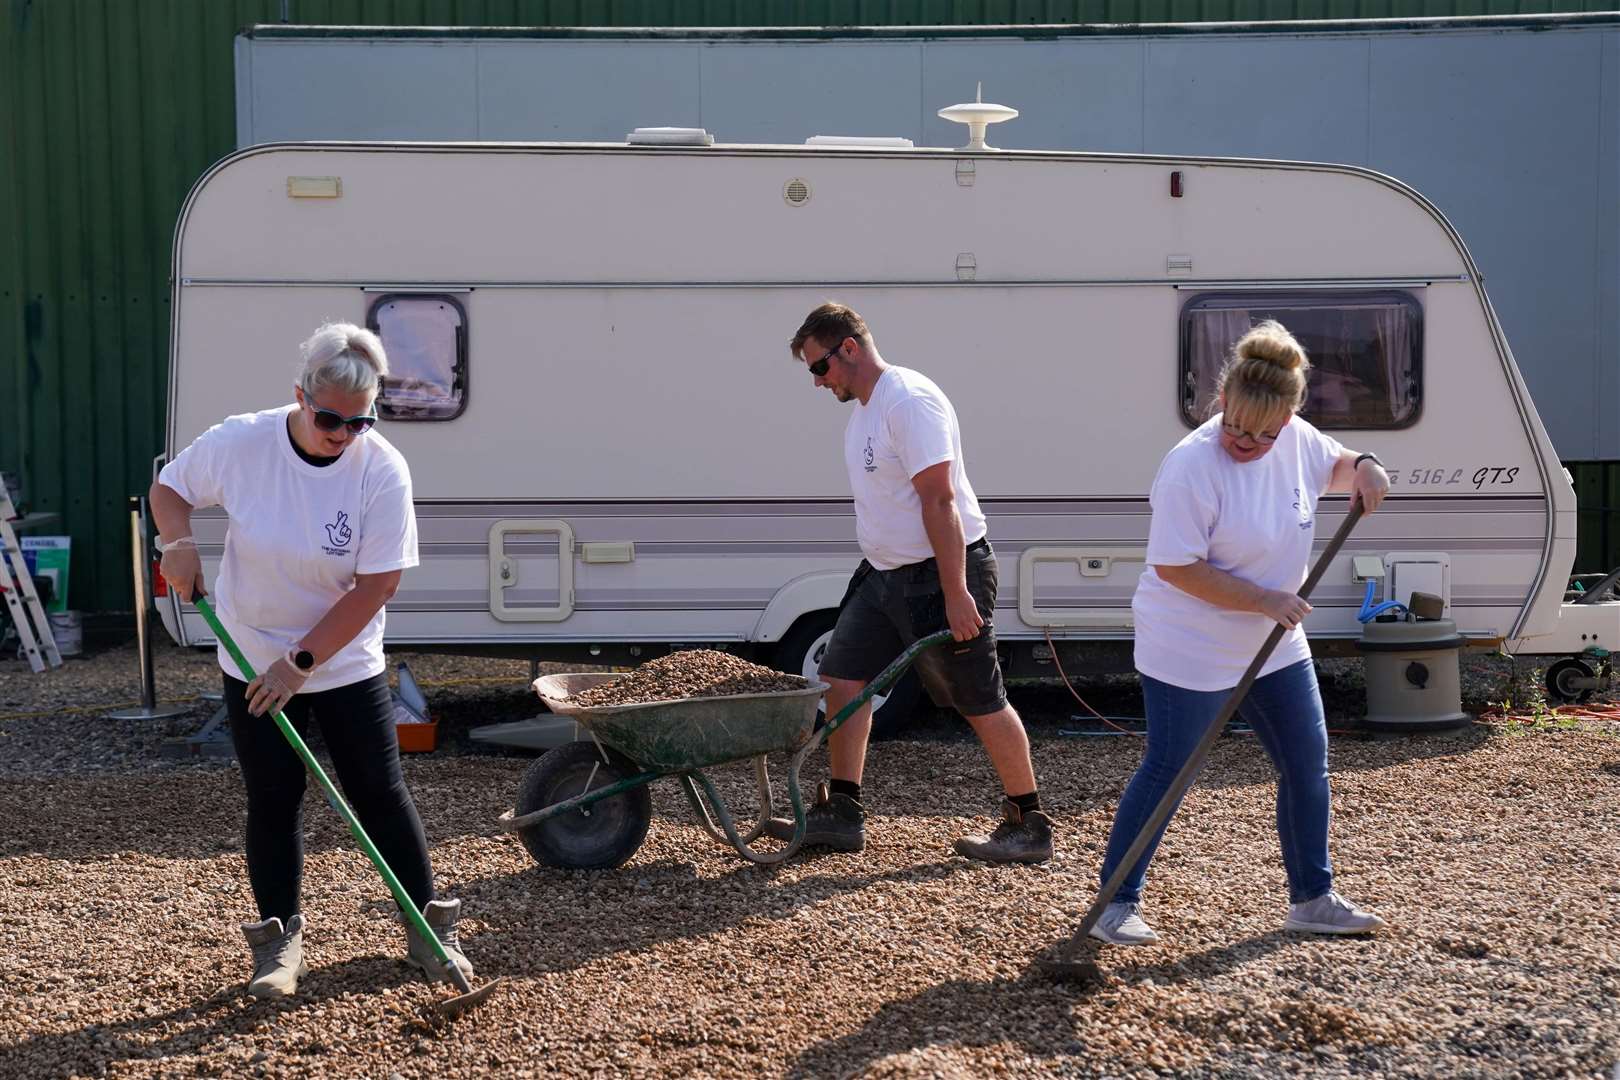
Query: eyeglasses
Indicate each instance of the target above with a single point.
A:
(327, 420)
(1235, 432)
(819, 368)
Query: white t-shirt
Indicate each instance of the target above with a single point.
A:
(1255, 520)
(906, 426)
(298, 535)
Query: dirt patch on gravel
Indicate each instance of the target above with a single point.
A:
(1490, 849)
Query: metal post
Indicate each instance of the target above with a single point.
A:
(148, 709)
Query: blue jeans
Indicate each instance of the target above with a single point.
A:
(1285, 710)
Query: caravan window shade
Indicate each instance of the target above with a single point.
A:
(1365, 348)
(425, 337)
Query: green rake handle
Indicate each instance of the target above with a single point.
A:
(401, 897)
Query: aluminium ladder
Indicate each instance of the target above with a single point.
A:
(22, 600)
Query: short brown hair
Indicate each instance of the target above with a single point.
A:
(829, 323)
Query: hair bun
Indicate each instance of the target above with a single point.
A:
(1271, 342)
(364, 344)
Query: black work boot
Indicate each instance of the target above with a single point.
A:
(835, 821)
(1021, 837)
(278, 956)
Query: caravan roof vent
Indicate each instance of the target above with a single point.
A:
(977, 114)
(669, 136)
(865, 142)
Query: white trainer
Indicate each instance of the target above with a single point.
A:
(1331, 914)
(1122, 924)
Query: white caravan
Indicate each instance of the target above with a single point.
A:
(614, 452)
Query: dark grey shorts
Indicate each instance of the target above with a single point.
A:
(885, 611)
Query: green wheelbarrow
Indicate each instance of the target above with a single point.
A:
(586, 806)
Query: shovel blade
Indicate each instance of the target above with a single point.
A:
(450, 1008)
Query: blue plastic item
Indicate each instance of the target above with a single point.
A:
(1368, 613)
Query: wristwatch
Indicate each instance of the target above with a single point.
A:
(302, 659)
(1366, 457)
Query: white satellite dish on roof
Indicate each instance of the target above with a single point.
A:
(977, 115)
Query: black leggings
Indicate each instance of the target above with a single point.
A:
(357, 723)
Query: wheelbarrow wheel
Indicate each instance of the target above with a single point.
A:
(598, 836)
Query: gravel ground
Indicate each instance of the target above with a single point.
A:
(1490, 849)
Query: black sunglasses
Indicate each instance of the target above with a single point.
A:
(327, 420)
(819, 368)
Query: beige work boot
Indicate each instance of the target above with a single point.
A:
(441, 916)
(278, 956)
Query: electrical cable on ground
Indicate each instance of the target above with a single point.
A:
(1077, 697)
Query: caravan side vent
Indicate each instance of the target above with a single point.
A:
(669, 136)
(861, 142)
(796, 192)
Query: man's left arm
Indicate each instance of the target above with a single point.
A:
(944, 527)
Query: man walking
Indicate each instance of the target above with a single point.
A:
(928, 565)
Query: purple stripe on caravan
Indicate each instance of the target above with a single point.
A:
(1398, 500)
(1397, 504)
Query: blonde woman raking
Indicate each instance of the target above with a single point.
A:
(1234, 516)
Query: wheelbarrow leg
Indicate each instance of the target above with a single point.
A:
(767, 806)
(744, 845)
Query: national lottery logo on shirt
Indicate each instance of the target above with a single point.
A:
(338, 535)
(868, 456)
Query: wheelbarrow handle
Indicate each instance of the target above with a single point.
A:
(882, 682)
(885, 679)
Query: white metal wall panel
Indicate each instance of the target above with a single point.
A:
(582, 90)
(1513, 134)
(1299, 98)
(1502, 132)
(1072, 95)
(790, 92)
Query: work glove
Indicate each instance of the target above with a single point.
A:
(182, 567)
(271, 691)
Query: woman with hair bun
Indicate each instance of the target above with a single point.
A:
(1234, 516)
(321, 528)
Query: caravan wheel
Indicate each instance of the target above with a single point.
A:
(801, 651)
(1562, 687)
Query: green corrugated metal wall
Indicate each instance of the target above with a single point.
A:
(108, 112)
(1597, 522)
(109, 109)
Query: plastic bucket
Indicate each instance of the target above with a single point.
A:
(68, 632)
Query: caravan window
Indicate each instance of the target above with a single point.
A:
(1365, 348)
(425, 336)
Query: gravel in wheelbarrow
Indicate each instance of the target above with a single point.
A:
(731, 710)
(687, 674)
